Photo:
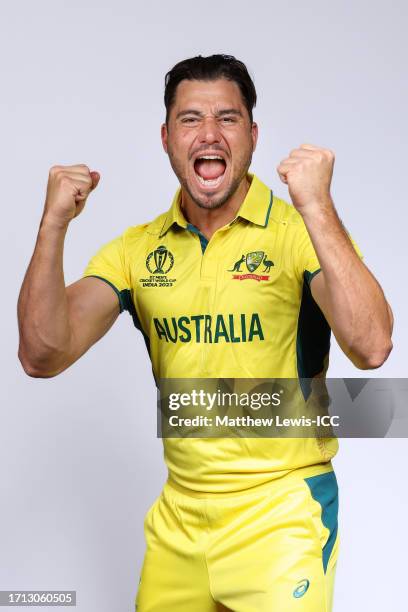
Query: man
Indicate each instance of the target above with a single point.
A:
(230, 282)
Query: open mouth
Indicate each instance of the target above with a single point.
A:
(210, 170)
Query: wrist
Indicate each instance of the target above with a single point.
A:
(322, 209)
(53, 224)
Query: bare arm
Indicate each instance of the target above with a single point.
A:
(349, 295)
(346, 291)
(58, 324)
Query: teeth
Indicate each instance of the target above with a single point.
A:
(210, 157)
(209, 182)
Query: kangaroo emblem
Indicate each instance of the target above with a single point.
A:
(238, 264)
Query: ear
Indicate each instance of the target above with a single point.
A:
(254, 131)
(164, 136)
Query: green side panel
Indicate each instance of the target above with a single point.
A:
(309, 275)
(130, 307)
(324, 490)
(313, 339)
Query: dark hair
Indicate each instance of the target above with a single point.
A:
(209, 69)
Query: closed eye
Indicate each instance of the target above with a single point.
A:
(189, 120)
(226, 119)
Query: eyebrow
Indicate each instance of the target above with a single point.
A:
(224, 111)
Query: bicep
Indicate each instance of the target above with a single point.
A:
(93, 307)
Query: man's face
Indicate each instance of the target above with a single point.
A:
(209, 140)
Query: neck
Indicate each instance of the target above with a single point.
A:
(209, 220)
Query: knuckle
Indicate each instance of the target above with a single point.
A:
(86, 179)
(64, 180)
(54, 169)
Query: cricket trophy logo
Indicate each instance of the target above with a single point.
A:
(160, 261)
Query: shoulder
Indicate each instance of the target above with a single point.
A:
(137, 232)
(285, 213)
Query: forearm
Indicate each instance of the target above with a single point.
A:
(42, 306)
(353, 301)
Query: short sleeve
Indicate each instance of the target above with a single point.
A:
(108, 264)
(306, 261)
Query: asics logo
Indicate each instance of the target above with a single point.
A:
(301, 588)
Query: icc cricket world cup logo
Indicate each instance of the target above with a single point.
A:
(162, 262)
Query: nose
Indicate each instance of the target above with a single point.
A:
(209, 131)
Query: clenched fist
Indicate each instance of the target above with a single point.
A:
(67, 190)
(307, 172)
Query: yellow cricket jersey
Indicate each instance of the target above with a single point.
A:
(236, 306)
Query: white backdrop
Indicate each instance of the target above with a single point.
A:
(82, 82)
